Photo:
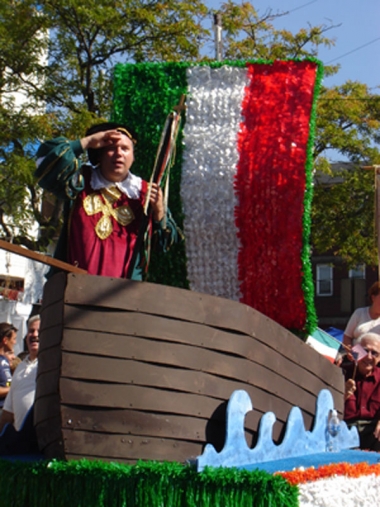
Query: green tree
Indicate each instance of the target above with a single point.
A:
(88, 38)
(248, 35)
(343, 216)
(348, 122)
(22, 115)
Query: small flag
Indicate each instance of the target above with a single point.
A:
(358, 352)
(324, 343)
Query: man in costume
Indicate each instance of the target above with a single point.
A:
(104, 202)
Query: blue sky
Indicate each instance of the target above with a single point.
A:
(357, 34)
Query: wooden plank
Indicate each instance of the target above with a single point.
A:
(299, 352)
(214, 425)
(185, 305)
(54, 290)
(138, 398)
(49, 432)
(128, 446)
(102, 369)
(143, 424)
(266, 400)
(202, 336)
(49, 358)
(39, 257)
(133, 422)
(121, 371)
(206, 337)
(163, 300)
(187, 357)
(50, 338)
(48, 383)
(51, 317)
(138, 373)
(47, 407)
(201, 308)
(134, 296)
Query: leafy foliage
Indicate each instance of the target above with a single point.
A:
(348, 121)
(250, 36)
(344, 217)
(89, 38)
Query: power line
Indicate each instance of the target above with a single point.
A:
(345, 54)
(353, 51)
(302, 6)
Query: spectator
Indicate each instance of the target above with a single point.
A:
(362, 393)
(365, 319)
(21, 395)
(8, 334)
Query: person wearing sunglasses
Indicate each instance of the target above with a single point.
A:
(362, 392)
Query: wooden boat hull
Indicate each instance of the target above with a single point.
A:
(133, 370)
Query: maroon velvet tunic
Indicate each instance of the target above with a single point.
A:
(97, 210)
(364, 404)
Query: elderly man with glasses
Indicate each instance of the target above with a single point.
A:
(362, 393)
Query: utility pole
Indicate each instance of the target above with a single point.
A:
(376, 170)
(218, 36)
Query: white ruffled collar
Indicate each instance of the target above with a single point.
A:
(131, 186)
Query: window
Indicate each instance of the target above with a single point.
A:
(324, 280)
(357, 272)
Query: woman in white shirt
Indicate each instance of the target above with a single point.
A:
(364, 320)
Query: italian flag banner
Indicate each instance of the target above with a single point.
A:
(241, 186)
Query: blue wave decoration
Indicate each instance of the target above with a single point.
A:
(296, 442)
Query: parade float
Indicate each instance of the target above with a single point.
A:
(195, 387)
